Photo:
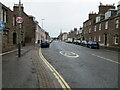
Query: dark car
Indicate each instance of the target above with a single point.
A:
(84, 43)
(45, 43)
(93, 44)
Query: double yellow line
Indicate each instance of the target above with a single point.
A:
(62, 82)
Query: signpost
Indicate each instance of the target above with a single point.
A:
(19, 20)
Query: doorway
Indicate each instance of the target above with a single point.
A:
(14, 38)
(105, 39)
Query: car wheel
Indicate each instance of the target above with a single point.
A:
(97, 47)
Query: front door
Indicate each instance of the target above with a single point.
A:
(105, 39)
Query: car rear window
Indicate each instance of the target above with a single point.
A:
(94, 42)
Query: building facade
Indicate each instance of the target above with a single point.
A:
(31, 32)
(6, 15)
(103, 27)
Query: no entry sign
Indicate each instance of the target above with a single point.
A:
(19, 20)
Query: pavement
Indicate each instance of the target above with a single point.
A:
(28, 71)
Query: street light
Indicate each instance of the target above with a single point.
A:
(42, 23)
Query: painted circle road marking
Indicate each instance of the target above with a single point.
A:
(69, 54)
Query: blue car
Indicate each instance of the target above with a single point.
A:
(93, 44)
(45, 43)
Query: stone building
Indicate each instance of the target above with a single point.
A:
(47, 36)
(72, 34)
(6, 15)
(63, 36)
(79, 35)
(28, 26)
(10, 34)
(103, 27)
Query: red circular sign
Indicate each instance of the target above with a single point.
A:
(19, 20)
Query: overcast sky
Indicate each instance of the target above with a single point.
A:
(59, 14)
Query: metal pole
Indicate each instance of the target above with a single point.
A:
(42, 23)
(19, 32)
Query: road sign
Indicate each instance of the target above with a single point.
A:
(2, 26)
(1, 22)
(19, 20)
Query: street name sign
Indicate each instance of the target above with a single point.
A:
(2, 26)
(2, 22)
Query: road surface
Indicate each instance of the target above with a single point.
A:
(83, 67)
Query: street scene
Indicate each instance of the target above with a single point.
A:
(58, 45)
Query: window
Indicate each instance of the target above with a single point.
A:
(90, 23)
(85, 25)
(89, 30)
(94, 38)
(106, 25)
(14, 23)
(117, 24)
(5, 16)
(100, 26)
(1, 15)
(84, 32)
(98, 19)
(116, 39)
(95, 28)
(99, 38)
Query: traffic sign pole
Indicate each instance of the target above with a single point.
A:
(19, 33)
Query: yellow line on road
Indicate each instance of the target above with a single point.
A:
(62, 82)
(106, 59)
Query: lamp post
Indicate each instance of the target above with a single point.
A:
(42, 23)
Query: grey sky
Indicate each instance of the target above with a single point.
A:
(60, 14)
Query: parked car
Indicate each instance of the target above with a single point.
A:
(93, 44)
(69, 40)
(74, 41)
(45, 43)
(77, 42)
(84, 43)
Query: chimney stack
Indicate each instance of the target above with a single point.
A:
(104, 8)
(16, 7)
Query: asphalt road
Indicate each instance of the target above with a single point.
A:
(83, 67)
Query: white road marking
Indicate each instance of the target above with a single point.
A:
(106, 59)
(69, 54)
(8, 52)
(60, 79)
